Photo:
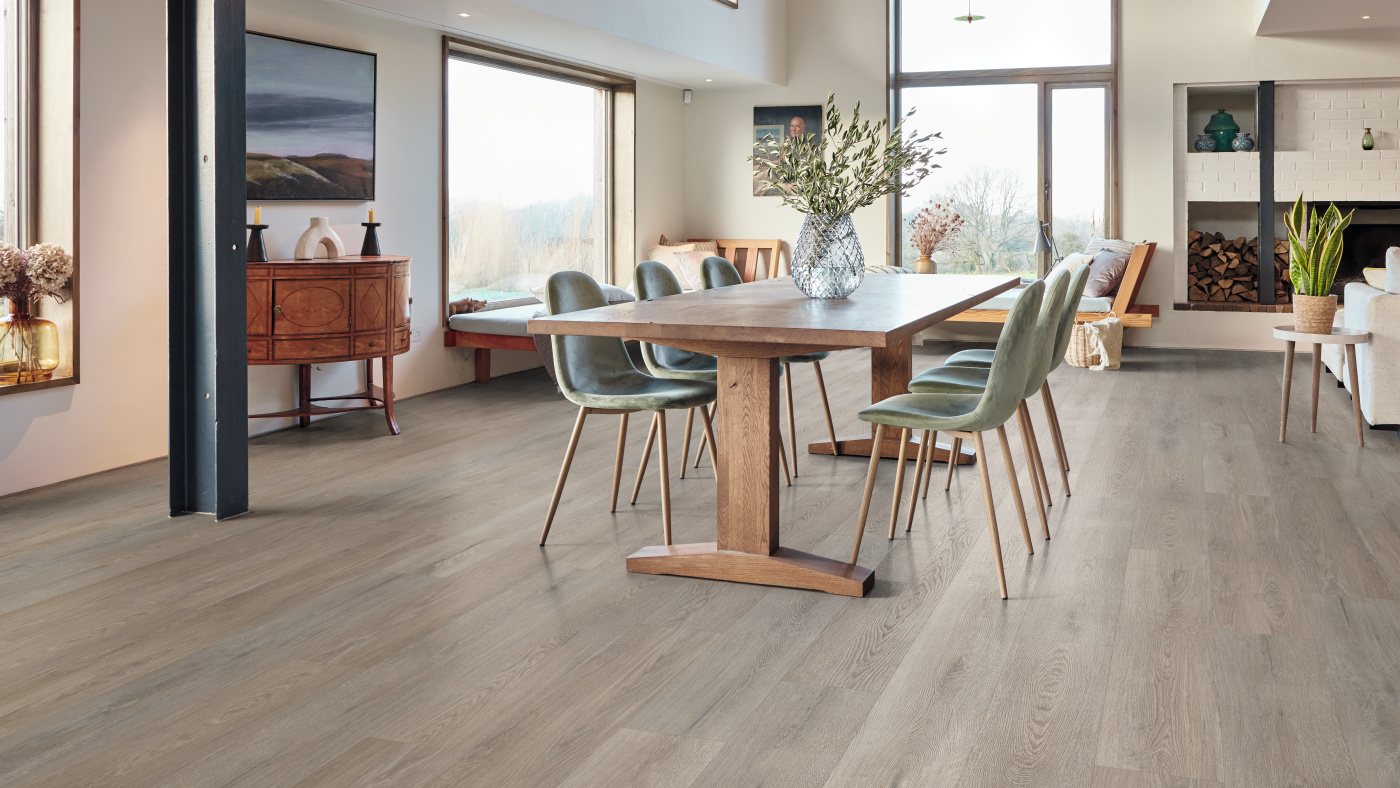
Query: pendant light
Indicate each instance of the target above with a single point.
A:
(970, 17)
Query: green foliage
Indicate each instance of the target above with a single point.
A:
(855, 164)
(1314, 247)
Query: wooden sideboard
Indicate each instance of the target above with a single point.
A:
(321, 311)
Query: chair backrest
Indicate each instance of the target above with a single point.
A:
(1078, 281)
(1047, 329)
(655, 280)
(1011, 366)
(718, 272)
(748, 255)
(584, 365)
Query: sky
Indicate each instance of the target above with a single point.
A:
(305, 99)
(518, 138)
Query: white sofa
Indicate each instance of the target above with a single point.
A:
(1377, 361)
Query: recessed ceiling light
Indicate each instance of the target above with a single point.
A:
(709, 80)
(1365, 17)
(464, 14)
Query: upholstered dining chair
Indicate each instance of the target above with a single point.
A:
(982, 357)
(966, 416)
(972, 380)
(597, 374)
(719, 272)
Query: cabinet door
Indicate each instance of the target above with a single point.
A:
(259, 308)
(401, 297)
(311, 306)
(372, 304)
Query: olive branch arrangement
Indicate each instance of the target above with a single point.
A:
(854, 165)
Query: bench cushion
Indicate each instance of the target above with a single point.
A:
(508, 322)
(1086, 304)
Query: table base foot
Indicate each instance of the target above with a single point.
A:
(785, 567)
(861, 447)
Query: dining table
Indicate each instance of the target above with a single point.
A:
(748, 328)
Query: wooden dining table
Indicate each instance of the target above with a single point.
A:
(748, 327)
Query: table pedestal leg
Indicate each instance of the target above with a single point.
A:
(1355, 393)
(1317, 379)
(1288, 347)
(891, 369)
(746, 548)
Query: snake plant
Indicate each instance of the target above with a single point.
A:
(1314, 247)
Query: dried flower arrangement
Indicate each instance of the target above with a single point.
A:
(42, 271)
(933, 227)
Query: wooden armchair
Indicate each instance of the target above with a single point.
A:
(748, 255)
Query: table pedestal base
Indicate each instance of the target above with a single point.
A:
(861, 447)
(785, 567)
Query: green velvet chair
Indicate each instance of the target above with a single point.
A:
(597, 374)
(966, 416)
(655, 280)
(972, 380)
(719, 272)
(982, 357)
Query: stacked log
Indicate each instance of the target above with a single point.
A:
(1227, 269)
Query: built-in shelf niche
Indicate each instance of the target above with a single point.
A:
(1203, 101)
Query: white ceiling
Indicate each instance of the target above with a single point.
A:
(602, 41)
(1284, 17)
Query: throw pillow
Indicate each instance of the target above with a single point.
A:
(871, 268)
(690, 263)
(1392, 270)
(1105, 273)
(1072, 261)
(1097, 244)
(708, 246)
(1375, 277)
(613, 294)
(666, 255)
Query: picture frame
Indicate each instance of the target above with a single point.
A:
(781, 123)
(311, 120)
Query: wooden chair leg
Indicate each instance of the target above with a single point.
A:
(826, 409)
(928, 469)
(1015, 488)
(1039, 459)
(710, 434)
(1021, 419)
(869, 489)
(1055, 437)
(646, 457)
(617, 466)
(685, 444)
(792, 423)
(953, 458)
(1055, 424)
(563, 473)
(925, 456)
(898, 475)
(664, 456)
(782, 457)
(991, 509)
(704, 441)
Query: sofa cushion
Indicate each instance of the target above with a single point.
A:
(1105, 273)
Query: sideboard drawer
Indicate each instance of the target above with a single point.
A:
(371, 345)
(401, 339)
(257, 350)
(307, 349)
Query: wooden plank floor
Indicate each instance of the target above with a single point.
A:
(1215, 608)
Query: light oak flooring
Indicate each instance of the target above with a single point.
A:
(1215, 608)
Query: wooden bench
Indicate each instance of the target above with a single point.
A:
(1133, 314)
(748, 255)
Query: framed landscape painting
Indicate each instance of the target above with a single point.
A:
(310, 121)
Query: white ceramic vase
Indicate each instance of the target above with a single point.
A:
(317, 235)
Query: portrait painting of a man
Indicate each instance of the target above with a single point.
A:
(776, 125)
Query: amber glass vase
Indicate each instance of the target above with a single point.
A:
(28, 346)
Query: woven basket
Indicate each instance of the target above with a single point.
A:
(1083, 351)
(1079, 353)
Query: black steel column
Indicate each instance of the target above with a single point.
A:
(208, 295)
(1265, 117)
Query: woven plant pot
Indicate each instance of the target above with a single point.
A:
(1314, 314)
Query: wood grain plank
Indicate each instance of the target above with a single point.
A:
(642, 758)
(1079, 583)
(1160, 711)
(1252, 583)
(379, 762)
(1105, 777)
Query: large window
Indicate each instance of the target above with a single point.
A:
(528, 182)
(1024, 100)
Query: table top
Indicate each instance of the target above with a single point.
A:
(884, 310)
(1339, 336)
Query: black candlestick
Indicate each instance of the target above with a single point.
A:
(370, 248)
(257, 253)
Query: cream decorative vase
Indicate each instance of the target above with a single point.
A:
(925, 265)
(318, 235)
(1314, 314)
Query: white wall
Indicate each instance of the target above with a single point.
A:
(833, 46)
(117, 414)
(661, 176)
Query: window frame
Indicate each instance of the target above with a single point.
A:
(1047, 80)
(618, 145)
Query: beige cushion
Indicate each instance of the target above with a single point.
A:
(665, 253)
(1375, 277)
(1072, 261)
(1097, 244)
(1105, 273)
(1392, 270)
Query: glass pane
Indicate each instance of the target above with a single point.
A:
(7, 122)
(988, 175)
(1014, 34)
(1078, 190)
(525, 181)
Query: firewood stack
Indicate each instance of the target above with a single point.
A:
(1227, 270)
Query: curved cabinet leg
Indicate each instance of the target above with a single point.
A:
(388, 368)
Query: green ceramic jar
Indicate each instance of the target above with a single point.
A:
(1223, 128)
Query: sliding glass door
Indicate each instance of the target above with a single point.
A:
(527, 180)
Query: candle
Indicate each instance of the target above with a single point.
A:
(257, 215)
(371, 216)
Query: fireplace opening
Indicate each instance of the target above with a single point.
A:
(1374, 228)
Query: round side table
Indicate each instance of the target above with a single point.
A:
(1350, 337)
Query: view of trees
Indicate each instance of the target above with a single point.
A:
(497, 252)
